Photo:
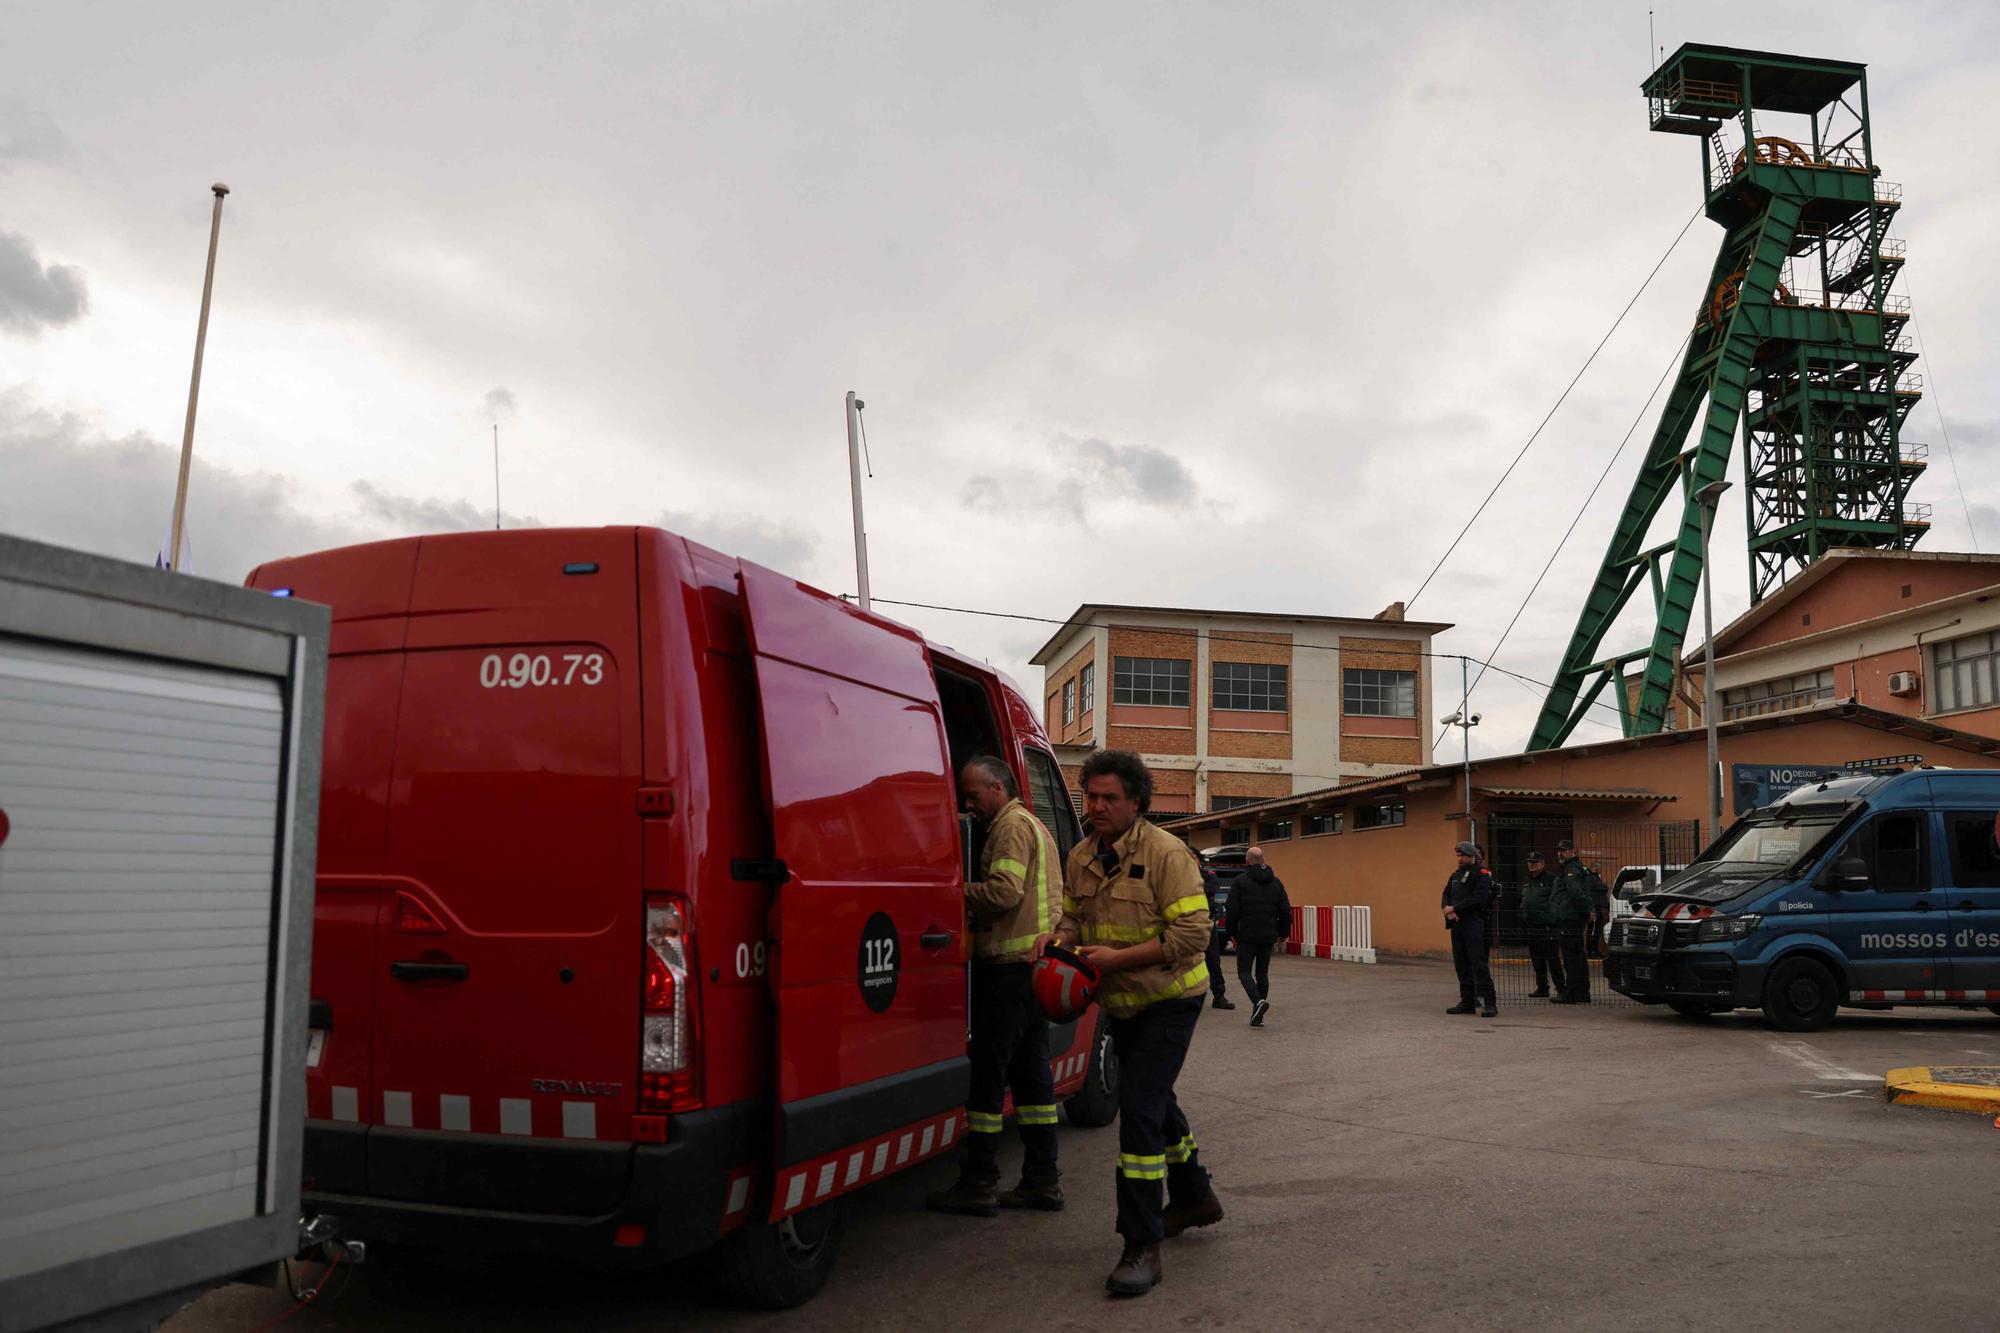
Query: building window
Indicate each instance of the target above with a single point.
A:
(1368, 693)
(1250, 687)
(1274, 830)
(1087, 687)
(1777, 696)
(1235, 837)
(1964, 673)
(1387, 815)
(1318, 824)
(1217, 804)
(1158, 682)
(1069, 703)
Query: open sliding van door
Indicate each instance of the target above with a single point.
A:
(867, 919)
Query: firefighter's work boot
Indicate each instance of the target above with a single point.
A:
(1203, 1212)
(967, 1198)
(1137, 1273)
(1043, 1198)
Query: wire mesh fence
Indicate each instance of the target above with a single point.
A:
(1528, 958)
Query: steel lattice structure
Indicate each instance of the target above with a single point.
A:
(1818, 380)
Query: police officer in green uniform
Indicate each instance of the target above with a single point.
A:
(1540, 923)
(1573, 903)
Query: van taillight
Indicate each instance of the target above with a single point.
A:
(667, 1080)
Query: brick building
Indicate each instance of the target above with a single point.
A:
(1234, 707)
(1916, 634)
(1386, 843)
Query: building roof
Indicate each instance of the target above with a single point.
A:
(1441, 775)
(1833, 562)
(1086, 615)
(1576, 793)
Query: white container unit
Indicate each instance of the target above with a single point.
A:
(159, 784)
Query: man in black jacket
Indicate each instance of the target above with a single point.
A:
(1260, 915)
(1468, 894)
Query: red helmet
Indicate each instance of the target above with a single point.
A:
(1065, 983)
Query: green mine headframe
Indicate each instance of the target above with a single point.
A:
(1818, 378)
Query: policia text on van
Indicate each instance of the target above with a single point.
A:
(1865, 891)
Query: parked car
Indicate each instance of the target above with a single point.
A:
(1227, 863)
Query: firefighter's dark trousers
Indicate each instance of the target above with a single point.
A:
(1158, 1162)
(1468, 958)
(1009, 1050)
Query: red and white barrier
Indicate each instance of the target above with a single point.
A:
(1340, 933)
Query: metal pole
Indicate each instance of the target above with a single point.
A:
(496, 476)
(194, 385)
(1708, 673)
(854, 406)
(1465, 730)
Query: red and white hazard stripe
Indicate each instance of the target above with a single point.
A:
(810, 1183)
(1906, 996)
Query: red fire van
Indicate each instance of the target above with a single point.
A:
(639, 927)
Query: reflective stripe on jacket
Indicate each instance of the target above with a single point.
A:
(1013, 904)
(1149, 889)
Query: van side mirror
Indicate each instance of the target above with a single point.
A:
(1631, 875)
(1847, 875)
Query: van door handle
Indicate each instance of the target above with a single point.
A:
(1920, 906)
(934, 939)
(1967, 906)
(413, 971)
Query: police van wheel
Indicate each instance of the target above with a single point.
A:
(778, 1265)
(1096, 1105)
(1800, 995)
(1693, 1008)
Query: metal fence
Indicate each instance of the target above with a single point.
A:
(1607, 846)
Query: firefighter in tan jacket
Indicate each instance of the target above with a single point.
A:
(1012, 906)
(1135, 908)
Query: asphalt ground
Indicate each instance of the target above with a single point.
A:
(1385, 1165)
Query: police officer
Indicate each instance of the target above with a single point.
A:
(1573, 904)
(1014, 904)
(1468, 894)
(1135, 908)
(1540, 922)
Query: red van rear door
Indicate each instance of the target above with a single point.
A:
(869, 970)
(508, 985)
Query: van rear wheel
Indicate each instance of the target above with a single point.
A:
(1800, 995)
(1096, 1103)
(778, 1265)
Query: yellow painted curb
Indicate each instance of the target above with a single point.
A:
(1974, 1088)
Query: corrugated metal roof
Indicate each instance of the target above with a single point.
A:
(1576, 793)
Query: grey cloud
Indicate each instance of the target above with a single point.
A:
(1139, 471)
(410, 515)
(782, 546)
(981, 492)
(26, 135)
(34, 297)
(501, 403)
(72, 485)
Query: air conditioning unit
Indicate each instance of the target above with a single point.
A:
(1902, 682)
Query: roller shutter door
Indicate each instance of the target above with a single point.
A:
(137, 883)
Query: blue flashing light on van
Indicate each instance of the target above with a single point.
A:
(1866, 892)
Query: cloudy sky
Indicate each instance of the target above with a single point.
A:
(1198, 305)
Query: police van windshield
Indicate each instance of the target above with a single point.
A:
(1752, 852)
(1774, 843)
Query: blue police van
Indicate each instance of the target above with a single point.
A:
(1869, 891)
